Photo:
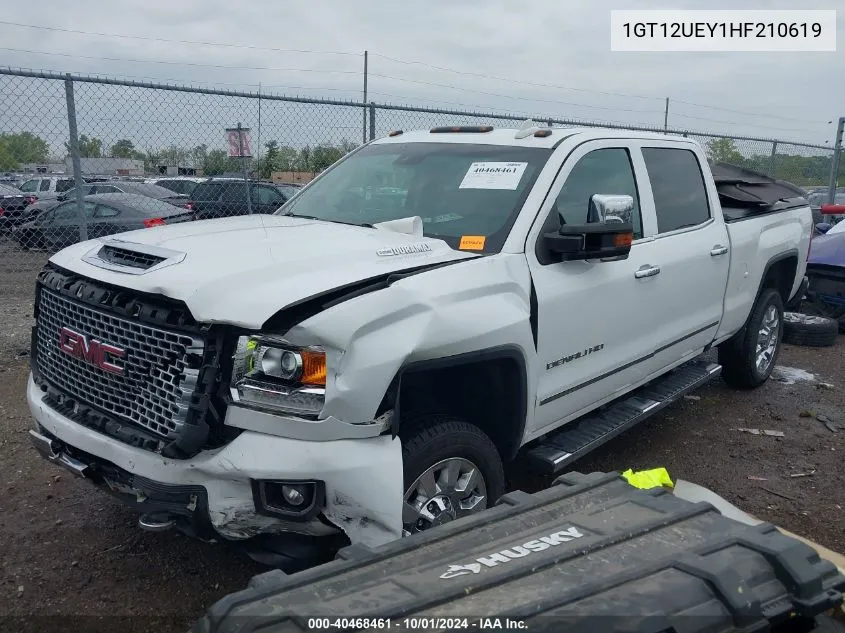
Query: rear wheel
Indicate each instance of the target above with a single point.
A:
(749, 357)
(451, 469)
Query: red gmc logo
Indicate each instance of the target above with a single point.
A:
(91, 351)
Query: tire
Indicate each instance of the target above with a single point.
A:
(809, 330)
(430, 442)
(822, 309)
(738, 355)
(827, 624)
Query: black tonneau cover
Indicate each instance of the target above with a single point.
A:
(742, 187)
(589, 554)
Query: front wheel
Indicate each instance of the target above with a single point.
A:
(451, 469)
(749, 357)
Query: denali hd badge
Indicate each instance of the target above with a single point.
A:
(91, 351)
(408, 249)
(507, 555)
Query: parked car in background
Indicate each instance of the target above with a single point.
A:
(118, 186)
(225, 197)
(46, 187)
(110, 186)
(105, 214)
(180, 184)
(10, 179)
(817, 200)
(13, 203)
(825, 294)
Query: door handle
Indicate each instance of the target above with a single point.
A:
(647, 271)
(718, 250)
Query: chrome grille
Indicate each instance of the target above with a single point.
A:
(155, 388)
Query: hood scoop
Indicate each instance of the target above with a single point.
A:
(409, 226)
(131, 257)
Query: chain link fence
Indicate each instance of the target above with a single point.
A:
(146, 154)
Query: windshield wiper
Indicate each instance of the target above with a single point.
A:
(291, 214)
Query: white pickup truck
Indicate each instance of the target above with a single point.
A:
(362, 363)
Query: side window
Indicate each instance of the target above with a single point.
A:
(67, 212)
(45, 185)
(267, 195)
(680, 198)
(602, 171)
(102, 211)
(30, 186)
(234, 192)
(63, 185)
(210, 192)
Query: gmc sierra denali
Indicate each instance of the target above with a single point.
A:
(359, 365)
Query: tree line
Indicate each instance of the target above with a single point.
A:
(800, 170)
(25, 147)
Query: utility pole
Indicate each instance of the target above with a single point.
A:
(666, 117)
(364, 124)
(834, 167)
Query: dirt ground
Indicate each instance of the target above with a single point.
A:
(69, 550)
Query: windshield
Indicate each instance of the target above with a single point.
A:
(459, 190)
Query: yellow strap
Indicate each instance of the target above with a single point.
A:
(646, 479)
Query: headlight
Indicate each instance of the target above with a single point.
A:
(270, 373)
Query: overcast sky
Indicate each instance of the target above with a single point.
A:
(563, 44)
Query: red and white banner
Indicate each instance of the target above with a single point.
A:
(235, 145)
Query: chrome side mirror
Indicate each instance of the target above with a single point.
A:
(605, 209)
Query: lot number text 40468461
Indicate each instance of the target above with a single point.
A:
(418, 624)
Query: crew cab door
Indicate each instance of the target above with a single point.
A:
(690, 248)
(596, 320)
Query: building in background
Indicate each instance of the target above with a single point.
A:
(42, 168)
(292, 177)
(178, 170)
(107, 166)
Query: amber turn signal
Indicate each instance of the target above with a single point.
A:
(313, 368)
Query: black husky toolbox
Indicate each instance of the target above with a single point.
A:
(591, 553)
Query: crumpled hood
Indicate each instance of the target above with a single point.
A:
(243, 270)
(828, 250)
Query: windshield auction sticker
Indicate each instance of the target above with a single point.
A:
(493, 176)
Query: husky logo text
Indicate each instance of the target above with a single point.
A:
(507, 555)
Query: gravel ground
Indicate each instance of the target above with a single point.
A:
(69, 550)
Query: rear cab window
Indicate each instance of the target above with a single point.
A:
(677, 183)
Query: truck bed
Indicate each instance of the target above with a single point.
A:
(590, 553)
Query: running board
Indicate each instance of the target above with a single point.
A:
(577, 438)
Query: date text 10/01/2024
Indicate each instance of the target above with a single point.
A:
(420, 623)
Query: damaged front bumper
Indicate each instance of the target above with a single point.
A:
(213, 493)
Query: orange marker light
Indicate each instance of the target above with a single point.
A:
(313, 368)
(542, 133)
(623, 239)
